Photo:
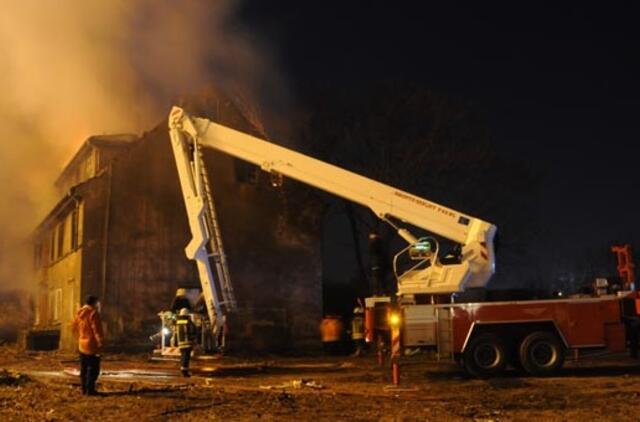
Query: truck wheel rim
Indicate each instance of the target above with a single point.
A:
(486, 356)
(543, 354)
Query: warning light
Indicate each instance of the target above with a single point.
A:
(394, 319)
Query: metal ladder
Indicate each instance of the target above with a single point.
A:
(205, 246)
(215, 247)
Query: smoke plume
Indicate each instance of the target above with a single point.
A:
(75, 68)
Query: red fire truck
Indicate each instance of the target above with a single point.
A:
(485, 337)
(531, 335)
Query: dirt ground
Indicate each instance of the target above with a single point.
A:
(44, 387)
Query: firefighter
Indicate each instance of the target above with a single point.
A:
(180, 301)
(331, 332)
(357, 330)
(185, 334)
(88, 327)
(378, 258)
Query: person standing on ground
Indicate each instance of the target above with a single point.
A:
(357, 330)
(88, 327)
(185, 333)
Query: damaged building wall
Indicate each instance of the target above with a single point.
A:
(274, 266)
(58, 271)
(146, 235)
(68, 246)
(277, 281)
(273, 248)
(134, 229)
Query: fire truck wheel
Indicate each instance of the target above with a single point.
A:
(485, 356)
(541, 353)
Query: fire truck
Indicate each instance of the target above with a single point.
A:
(485, 337)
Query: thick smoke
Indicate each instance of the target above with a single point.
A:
(74, 68)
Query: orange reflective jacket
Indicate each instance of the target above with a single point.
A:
(88, 327)
(331, 329)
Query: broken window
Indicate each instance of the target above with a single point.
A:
(246, 172)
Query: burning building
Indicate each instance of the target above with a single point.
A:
(120, 228)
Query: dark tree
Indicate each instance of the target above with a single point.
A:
(429, 144)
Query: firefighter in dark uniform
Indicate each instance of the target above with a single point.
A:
(378, 258)
(357, 330)
(185, 333)
(180, 301)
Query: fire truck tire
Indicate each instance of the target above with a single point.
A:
(485, 356)
(541, 354)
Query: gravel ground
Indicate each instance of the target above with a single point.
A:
(42, 387)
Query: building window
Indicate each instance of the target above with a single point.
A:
(90, 166)
(80, 223)
(75, 234)
(67, 230)
(60, 245)
(41, 309)
(52, 245)
(55, 305)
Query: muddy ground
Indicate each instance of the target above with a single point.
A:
(43, 387)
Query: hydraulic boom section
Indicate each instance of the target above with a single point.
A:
(475, 265)
(206, 246)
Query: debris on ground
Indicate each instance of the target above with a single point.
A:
(13, 378)
(312, 384)
(310, 388)
(294, 384)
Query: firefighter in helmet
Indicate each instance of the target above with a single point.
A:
(180, 301)
(185, 334)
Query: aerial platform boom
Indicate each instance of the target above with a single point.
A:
(477, 259)
(205, 247)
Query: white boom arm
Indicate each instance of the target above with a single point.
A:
(205, 246)
(474, 235)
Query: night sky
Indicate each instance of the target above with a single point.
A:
(558, 83)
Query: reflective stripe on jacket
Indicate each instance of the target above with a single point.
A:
(357, 327)
(185, 332)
